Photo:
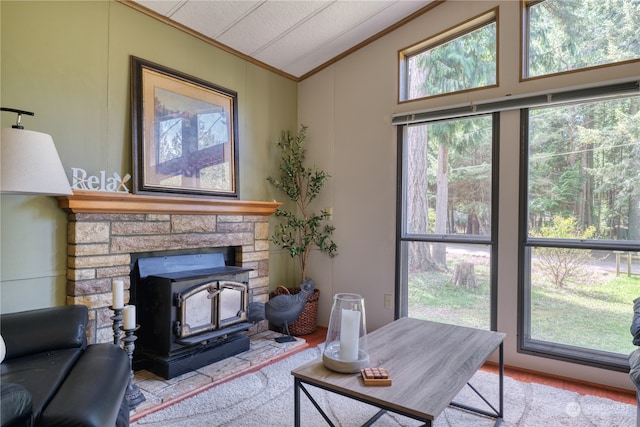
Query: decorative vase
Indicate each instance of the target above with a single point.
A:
(346, 344)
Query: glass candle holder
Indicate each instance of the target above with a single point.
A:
(345, 348)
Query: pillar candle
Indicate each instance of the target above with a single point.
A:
(349, 335)
(117, 293)
(129, 314)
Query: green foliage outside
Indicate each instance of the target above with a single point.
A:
(583, 161)
(563, 264)
(432, 296)
(301, 229)
(572, 34)
(583, 158)
(466, 62)
(581, 184)
(595, 313)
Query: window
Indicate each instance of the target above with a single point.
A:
(446, 262)
(581, 227)
(460, 59)
(565, 35)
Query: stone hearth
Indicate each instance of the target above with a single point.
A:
(104, 229)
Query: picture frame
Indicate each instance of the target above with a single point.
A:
(184, 133)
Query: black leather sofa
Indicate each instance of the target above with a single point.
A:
(51, 377)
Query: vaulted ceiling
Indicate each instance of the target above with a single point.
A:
(295, 38)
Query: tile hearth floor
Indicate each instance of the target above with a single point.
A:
(160, 393)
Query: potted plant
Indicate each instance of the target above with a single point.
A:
(301, 229)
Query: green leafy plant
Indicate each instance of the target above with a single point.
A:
(563, 264)
(301, 230)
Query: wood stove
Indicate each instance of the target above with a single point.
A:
(192, 310)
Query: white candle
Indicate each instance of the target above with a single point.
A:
(349, 335)
(129, 313)
(117, 293)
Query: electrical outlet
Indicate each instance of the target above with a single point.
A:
(329, 211)
(388, 301)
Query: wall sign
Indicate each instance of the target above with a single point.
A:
(113, 183)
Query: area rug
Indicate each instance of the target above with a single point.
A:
(265, 399)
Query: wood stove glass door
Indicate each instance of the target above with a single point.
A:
(210, 306)
(233, 303)
(198, 307)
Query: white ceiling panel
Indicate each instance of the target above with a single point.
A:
(268, 23)
(356, 35)
(331, 23)
(213, 18)
(294, 36)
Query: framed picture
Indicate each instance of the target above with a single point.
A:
(184, 133)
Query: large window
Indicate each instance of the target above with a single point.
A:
(446, 242)
(581, 237)
(460, 59)
(565, 35)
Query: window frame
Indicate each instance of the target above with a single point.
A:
(525, 26)
(602, 91)
(541, 348)
(403, 238)
(452, 33)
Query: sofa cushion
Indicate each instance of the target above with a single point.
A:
(94, 389)
(41, 374)
(16, 405)
(37, 331)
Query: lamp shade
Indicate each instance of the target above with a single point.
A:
(30, 164)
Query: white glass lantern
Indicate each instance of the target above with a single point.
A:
(346, 344)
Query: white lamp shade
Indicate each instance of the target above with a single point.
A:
(30, 164)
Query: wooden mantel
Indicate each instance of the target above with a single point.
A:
(113, 202)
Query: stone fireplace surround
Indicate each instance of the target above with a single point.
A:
(105, 228)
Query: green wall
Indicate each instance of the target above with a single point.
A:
(68, 61)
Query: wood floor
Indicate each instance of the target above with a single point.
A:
(580, 387)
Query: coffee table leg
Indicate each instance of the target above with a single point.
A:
(501, 380)
(497, 414)
(296, 402)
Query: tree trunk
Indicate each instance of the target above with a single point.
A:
(464, 274)
(473, 223)
(417, 203)
(442, 200)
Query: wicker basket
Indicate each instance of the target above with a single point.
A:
(307, 322)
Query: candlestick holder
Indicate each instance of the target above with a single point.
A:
(117, 324)
(345, 348)
(133, 394)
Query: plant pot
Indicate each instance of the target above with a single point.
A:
(308, 320)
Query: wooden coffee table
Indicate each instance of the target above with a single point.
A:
(429, 363)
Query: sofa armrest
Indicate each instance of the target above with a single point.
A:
(44, 329)
(92, 394)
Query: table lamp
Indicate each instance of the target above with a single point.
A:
(29, 162)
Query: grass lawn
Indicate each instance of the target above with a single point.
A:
(595, 312)
(432, 296)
